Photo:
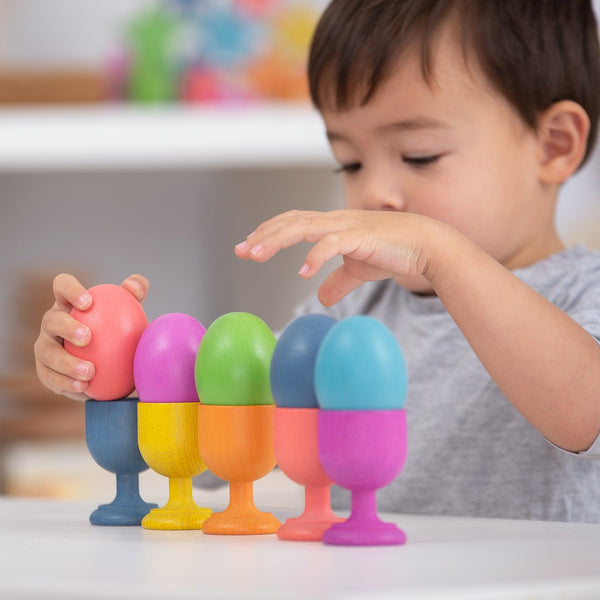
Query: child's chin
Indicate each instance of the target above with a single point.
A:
(416, 285)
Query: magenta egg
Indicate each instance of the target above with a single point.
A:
(163, 367)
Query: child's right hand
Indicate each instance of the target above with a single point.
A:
(57, 369)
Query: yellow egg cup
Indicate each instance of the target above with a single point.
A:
(168, 441)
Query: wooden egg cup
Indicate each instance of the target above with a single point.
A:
(111, 437)
(236, 442)
(363, 451)
(168, 440)
(296, 451)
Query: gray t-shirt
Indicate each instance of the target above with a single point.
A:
(470, 452)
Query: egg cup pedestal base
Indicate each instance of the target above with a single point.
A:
(301, 529)
(180, 512)
(178, 519)
(241, 517)
(310, 525)
(127, 511)
(366, 529)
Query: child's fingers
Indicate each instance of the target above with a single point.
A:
(62, 384)
(265, 228)
(253, 245)
(52, 355)
(349, 242)
(338, 284)
(61, 325)
(311, 221)
(137, 285)
(69, 292)
(288, 230)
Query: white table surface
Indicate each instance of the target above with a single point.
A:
(49, 550)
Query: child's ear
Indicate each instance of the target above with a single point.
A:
(563, 130)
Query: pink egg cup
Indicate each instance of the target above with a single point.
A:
(296, 451)
(362, 451)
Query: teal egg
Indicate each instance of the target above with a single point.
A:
(360, 366)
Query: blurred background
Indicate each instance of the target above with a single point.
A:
(151, 137)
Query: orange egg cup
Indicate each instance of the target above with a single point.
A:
(236, 443)
(297, 454)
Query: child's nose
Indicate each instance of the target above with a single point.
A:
(381, 197)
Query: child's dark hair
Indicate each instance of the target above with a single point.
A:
(534, 52)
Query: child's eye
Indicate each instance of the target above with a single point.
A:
(421, 161)
(349, 168)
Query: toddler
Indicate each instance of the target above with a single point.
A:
(455, 123)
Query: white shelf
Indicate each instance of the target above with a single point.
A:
(125, 137)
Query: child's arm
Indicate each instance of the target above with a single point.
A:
(57, 369)
(545, 363)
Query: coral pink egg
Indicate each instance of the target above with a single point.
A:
(117, 321)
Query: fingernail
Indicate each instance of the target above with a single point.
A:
(137, 287)
(304, 270)
(242, 245)
(81, 334)
(83, 370)
(84, 300)
(256, 250)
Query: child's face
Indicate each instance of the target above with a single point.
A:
(454, 150)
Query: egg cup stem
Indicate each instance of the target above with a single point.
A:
(241, 496)
(364, 506)
(317, 503)
(180, 511)
(128, 489)
(180, 493)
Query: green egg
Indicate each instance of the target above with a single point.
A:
(232, 364)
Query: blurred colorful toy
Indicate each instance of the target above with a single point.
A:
(221, 51)
(257, 8)
(225, 37)
(293, 28)
(152, 39)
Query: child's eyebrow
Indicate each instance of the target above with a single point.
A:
(412, 125)
(406, 125)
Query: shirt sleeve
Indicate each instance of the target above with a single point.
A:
(592, 453)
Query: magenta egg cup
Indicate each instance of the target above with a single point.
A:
(362, 451)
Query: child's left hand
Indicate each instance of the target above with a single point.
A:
(374, 245)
